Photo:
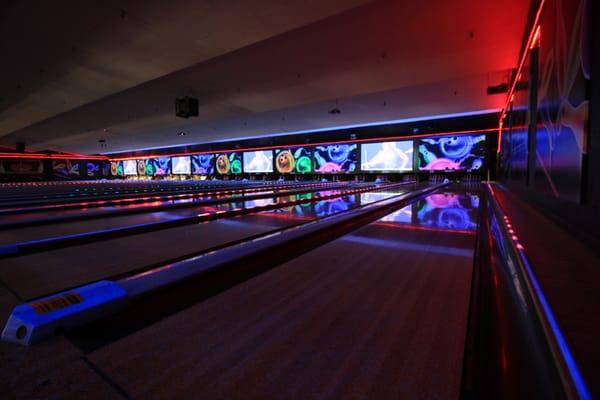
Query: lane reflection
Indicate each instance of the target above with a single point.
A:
(443, 223)
(326, 207)
(446, 211)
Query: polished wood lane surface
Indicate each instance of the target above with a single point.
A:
(39, 274)
(569, 275)
(16, 235)
(50, 370)
(380, 313)
(51, 230)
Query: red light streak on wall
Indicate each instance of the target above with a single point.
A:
(532, 41)
(41, 156)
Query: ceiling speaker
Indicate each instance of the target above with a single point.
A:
(186, 107)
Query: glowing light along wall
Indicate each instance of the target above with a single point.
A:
(145, 167)
(561, 75)
(387, 156)
(460, 152)
(228, 163)
(452, 153)
(336, 158)
(66, 169)
(130, 167)
(203, 164)
(162, 166)
(260, 161)
(291, 160)
(181, 165)
(116, 168)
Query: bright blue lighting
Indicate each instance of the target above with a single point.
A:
(580, 385)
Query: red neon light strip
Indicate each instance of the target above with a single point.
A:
(534, 37)
(411, 227)
(75, 156)
(307, 144)
(272, 214)
(52, 156)
(499, 136)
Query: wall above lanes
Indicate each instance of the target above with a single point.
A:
(465, 143)
(486, 121)
(388, 59)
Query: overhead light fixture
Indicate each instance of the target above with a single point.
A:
(181, 133)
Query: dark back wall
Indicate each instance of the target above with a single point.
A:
(424, 127)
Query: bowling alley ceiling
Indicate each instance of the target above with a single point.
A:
(77, 72)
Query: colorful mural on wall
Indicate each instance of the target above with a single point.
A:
(562, 103)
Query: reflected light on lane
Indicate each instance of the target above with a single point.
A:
(411, 227)
(409, 246)
(402, 216)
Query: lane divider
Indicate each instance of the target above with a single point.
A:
(36, 246)
(70, 197)
(161, 207)
(116, 200)
(568, 370)
(82, 305)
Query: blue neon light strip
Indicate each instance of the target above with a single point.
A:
(576, 376)
(580, 386)
(409, 246)
(331, 128)
(22, 246)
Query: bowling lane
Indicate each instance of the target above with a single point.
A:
(130, 203)
(92, 197)
(60, 189)
(41, 195)
(378, 313)
(43, 273)
(31, 233)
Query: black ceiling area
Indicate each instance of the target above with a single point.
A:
(102, 77)
(465, 124)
